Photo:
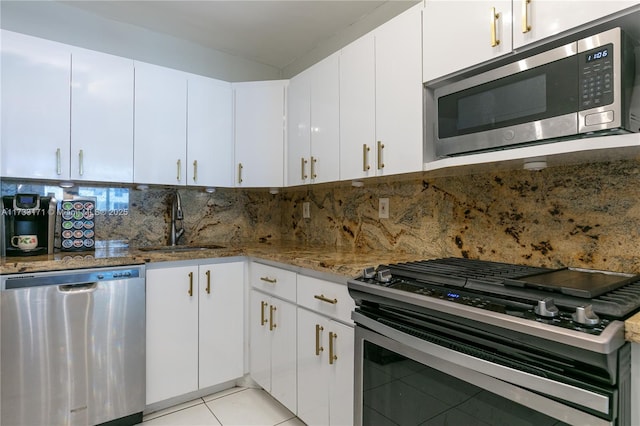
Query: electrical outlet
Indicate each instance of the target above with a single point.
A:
(306, 213)
(383, 208)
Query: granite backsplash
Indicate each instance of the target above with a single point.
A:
(582, 216)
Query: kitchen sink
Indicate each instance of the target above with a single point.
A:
(181, 248)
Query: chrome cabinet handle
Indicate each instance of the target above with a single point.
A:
(58, 162)
(365, 158)
(195, 170)
(190, 284)
(332, 356)
(269, 280)
(525, 17)
(239, 172)
(179, 164)
(208, 289)
(319, 348)
(325, 299)
(380, 162)
(81, 163)
(303, 174)
(263, 321)
(494, 18)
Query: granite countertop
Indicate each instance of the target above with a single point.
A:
(332, 260)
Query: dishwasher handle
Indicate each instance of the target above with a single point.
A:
(78, 288)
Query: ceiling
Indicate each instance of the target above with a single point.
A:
(274, 33)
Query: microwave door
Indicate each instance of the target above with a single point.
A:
(532, 99)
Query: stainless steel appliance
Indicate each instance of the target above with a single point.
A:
(588, 86)
(28, 214)
(459, 341)
(73, 347)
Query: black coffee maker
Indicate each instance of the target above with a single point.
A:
(25, 216)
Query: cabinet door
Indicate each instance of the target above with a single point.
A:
(399, 141)
(102, 117)
(313, 377)
(536, 19)
(324, 164)
(341, 372)
(299, 129)
(357, 109)
(458, 34)
(221, 325)
(172, 332)
(209, 132)
(35, 107)
(160, 125)
(259, 133)
(260, 339)
(282, 317)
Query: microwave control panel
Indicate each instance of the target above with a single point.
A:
(596, 77)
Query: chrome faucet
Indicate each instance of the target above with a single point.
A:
(176, 215)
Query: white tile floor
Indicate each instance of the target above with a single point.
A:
(236, 406)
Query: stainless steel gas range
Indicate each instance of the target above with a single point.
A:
(460, 341)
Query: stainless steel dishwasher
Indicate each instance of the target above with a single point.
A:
(73, 347)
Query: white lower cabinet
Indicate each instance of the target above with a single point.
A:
(272, 353)
(325, 370)
(194, 328)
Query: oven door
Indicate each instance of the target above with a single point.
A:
(401, 379)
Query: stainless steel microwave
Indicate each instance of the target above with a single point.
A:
(587, 87)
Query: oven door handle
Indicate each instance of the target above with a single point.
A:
(562, 391)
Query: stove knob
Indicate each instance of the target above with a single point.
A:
(384, 276)
(546, 308)
(584, 315)
(369, 272)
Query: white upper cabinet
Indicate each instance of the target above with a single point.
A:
(460, 34)
(313, 119)
(259, 133)
(381, 100)
(399, 142)
(101, 117)
(209, 132)
(299, 129)
(538, 19)
(160, 125)
(36, 101)
(324, 163)
(358, 109)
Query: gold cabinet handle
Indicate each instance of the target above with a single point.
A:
(263, 321)
(319, 348)
(208, 274)
(239, 172)
(191, 284)
(195, 170)
(332, 356)
(81, 163)
(303, 174)
(179, 169)
(494, 18)
(380, 162)
(269, 280)
(272, 324)
(313, 167)
(525, 16)
(365, 158)
(326, 299)
(58, 162)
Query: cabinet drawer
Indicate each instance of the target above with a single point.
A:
(325, 297)
(272, 280)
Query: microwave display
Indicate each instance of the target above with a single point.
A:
(600, 54)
